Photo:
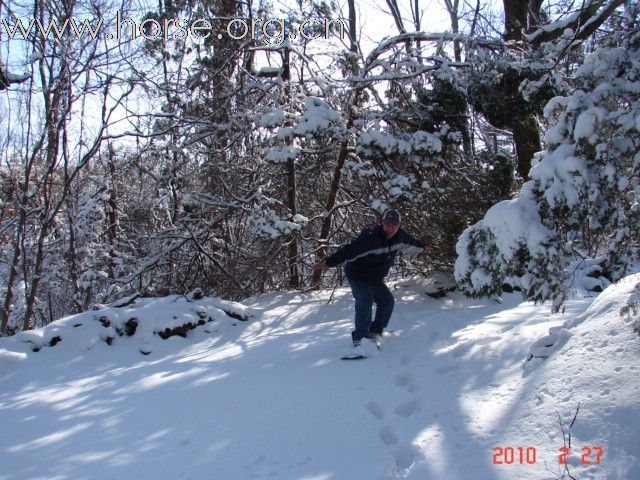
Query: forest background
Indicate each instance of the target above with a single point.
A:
(163, 164)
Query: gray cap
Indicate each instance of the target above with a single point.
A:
(391, 216)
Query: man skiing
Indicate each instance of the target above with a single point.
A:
(369, 257)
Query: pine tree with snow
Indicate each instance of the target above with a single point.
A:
(582, 200)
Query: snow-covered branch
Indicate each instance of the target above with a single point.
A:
(8, 78)
(583, 23)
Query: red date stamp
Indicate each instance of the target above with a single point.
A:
(517, 455)
(587, 457)
(591, 455)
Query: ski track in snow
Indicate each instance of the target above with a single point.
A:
(270, 398)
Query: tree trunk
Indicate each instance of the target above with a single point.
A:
(112, 214)
(515, 19)
(331, 202)
(325, 230)
(333, 193)
(353, 38)
(13, 273)
(32, 292)
(526, 136)
(292, 189)
(294, 272)
(72, 259)
(454, 15)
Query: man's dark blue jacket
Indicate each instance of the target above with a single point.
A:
(371, 255)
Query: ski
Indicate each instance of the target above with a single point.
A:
(377, 341)
(353, 356)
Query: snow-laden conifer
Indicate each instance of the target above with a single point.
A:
(582, 197)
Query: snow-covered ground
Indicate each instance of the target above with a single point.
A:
(451, 396)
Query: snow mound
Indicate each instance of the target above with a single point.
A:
(148, 320)
(592, 367)
(545, 346)
(611, 314)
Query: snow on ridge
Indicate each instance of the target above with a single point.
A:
(611, 300)
(587, 388)
(606, 313)
(148, 320)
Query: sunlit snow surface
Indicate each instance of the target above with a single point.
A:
(270, 397)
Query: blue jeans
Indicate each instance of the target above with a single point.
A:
(366, 293)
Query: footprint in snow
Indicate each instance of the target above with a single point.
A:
(405, 456)
(460, 351)
(409, 408)
(447, 368)
(405, 360)
(388, 436)
(404, 379)
(376, 410)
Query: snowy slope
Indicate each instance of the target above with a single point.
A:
(269, 397)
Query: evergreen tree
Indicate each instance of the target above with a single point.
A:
(582, 199)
